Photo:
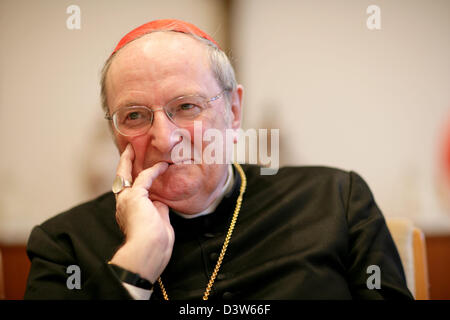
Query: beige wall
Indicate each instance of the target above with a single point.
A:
(371, 101)
(342, 95)
(55, 147)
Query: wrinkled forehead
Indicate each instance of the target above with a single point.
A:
(162, 51)
(160, 46)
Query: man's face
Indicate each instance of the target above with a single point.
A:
(152, 71)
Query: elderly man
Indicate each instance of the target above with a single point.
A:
(192, 230)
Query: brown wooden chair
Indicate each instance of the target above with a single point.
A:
(422, 282)
(2, 282)
(410, 242)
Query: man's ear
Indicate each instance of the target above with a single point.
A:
(236, 107)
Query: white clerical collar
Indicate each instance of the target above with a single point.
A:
(225, 189)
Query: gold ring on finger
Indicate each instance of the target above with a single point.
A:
(119, 184)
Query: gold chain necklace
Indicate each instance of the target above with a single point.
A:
(227, 238)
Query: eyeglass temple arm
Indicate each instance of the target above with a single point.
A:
(108, 116)
(219, 95)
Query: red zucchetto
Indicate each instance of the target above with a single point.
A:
(165, 24)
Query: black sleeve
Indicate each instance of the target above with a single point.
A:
(370, 243)
(48, 274)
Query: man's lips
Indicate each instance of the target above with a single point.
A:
(185, 161)
(171, 163)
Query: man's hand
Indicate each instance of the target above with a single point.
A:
(149, 236)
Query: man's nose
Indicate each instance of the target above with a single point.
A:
(161, 136)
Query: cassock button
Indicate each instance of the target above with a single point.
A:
(214, 256)
(222, 276)
(227, 295)
(209, 235)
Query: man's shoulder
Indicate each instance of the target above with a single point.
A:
(97, 211)
(86, 235)
(297, 172)
(300, 182)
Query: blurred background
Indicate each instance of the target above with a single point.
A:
(343, 94)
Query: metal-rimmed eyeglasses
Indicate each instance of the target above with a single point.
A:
(182, 111)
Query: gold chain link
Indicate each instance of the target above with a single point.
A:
(227, 238)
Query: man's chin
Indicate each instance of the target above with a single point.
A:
(177, 183)
(180, 205)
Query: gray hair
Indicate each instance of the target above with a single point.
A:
(219, 63)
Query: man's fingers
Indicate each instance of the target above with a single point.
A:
(125, 166)
(147, 176)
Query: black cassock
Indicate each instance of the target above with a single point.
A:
(304, 233)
